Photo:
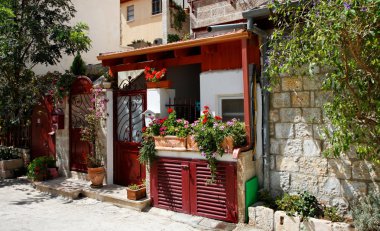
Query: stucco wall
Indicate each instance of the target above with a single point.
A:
(215, 84)
(103, 19)
(297, 162)
(144, 26)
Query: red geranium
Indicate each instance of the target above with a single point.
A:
(170, 110)
(218, 118)
(152, 75)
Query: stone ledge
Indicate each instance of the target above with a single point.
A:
(265, 218)
(73, 189)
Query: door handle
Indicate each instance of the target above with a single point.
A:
(185, 167)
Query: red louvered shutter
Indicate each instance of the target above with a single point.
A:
(217, 200)
(180, 185)
(170, 185)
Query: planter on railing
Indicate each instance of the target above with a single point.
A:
(228, 144)
(159, 84)
(170, 143)
(191, 144)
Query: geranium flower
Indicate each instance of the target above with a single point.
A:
(170, 110)
(218, 118)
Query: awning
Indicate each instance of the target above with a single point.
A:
(241, 34)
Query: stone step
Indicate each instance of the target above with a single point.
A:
(73, 189)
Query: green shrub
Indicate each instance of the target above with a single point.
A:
(78, 67)
(9, 153)
(173, 38)
(305, 205)
(38, 168)
(366, 213)
(331, 213)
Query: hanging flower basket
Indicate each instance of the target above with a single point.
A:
(159, 84)
(170, 143)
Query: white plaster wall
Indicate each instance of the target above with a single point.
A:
(109, 137)
(103, 19)
(215, 84)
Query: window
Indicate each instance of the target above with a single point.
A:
(156, 7)
(130, 13)
(232, 107)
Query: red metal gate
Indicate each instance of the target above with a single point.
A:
(180, 185)
(129, 122)
(80, 102)
(43, 137)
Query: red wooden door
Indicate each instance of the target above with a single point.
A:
(80, 102)
(180, 185)
(42, 139)
(129, 122)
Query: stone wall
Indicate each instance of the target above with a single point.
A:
(212, 12)
(297, 142)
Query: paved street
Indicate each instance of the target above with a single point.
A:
(24, 208)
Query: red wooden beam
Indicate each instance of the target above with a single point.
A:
(247, 105)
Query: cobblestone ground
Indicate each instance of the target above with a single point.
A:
(24, 208)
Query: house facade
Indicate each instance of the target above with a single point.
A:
(103, 20)
(147, 22)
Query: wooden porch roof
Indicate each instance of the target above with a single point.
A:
(241, 34)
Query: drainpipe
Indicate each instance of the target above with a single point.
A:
(250, 15)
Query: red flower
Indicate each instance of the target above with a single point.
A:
(204, 120)
(218, 118)
(205, 112)
(143, 129)
(206, 107)
(170, 110)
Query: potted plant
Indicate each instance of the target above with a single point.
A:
(155, 79)
(213, 137)
(51, 167)
(89, 133)
(38, 169)
(108, 80)
(170, 133)
(136, 192)
(10, 161)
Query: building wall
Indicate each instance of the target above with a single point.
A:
(103, 19)
(145, 25)
(212, 12)
(297, 162)
(215, 84)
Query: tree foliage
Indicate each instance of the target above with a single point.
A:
(342, 37)
(32, 32)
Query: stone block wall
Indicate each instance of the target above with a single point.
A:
(211, 12)
(297, 142)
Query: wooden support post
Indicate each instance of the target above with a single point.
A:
(247, 106)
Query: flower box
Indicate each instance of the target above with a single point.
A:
(228, 144)
(191, 144)
(136, 194)
(170, 143)
(159, 84)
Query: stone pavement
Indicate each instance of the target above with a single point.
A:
(22, 207)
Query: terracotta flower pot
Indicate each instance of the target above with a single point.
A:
(136, 194)
(191, 144)
(228, 144)
(170, 143)
(159, 84)
(96, 176)
(53, 173)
